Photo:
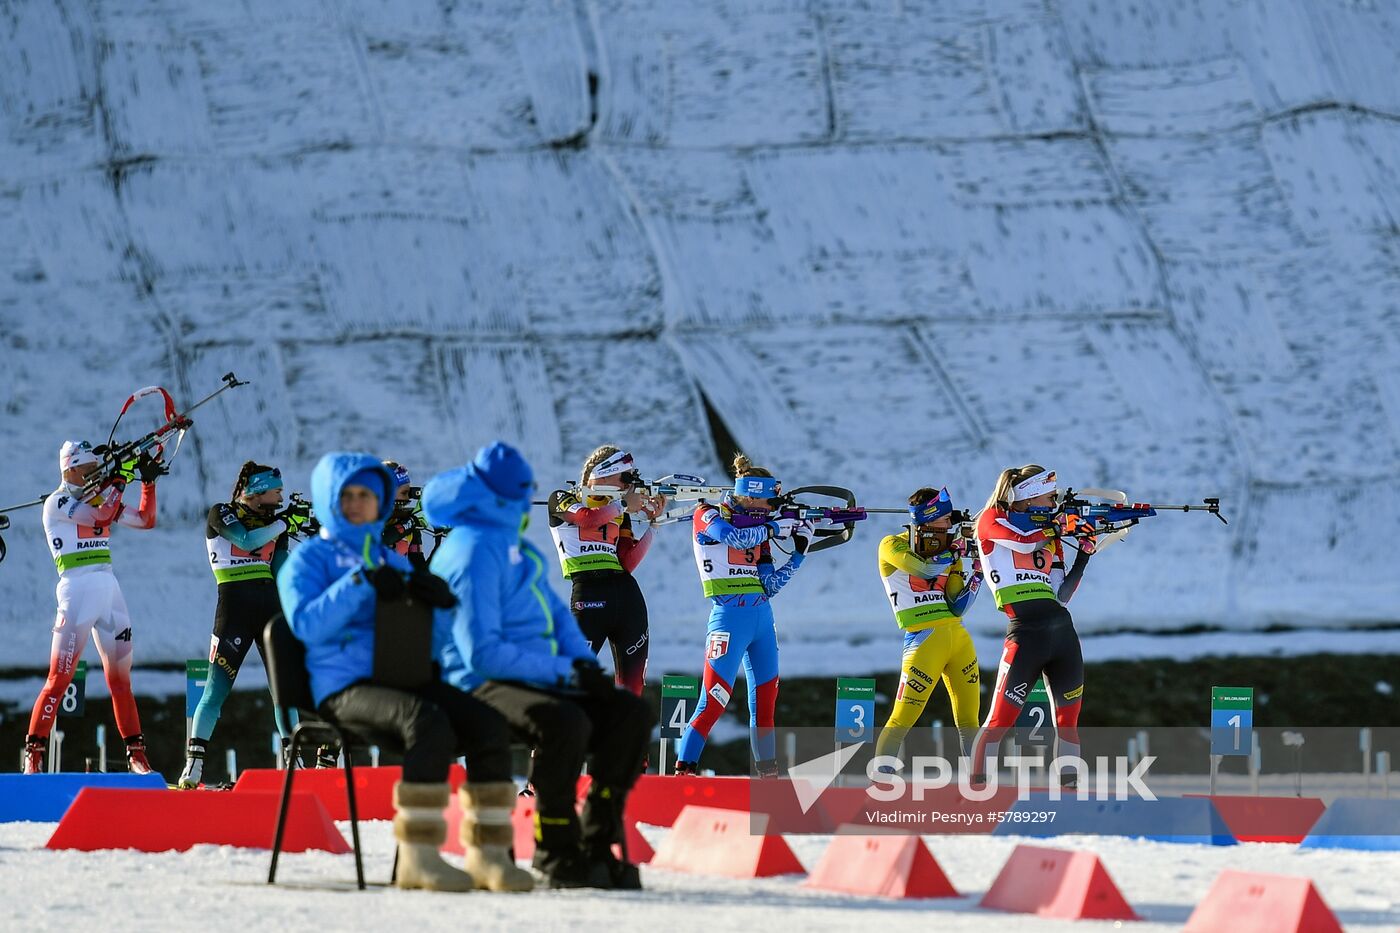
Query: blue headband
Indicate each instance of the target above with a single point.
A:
(756, 487)
(262, 482)
(932, 510)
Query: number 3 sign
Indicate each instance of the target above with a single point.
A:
(855, 709)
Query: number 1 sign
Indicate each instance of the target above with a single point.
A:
(1231, 720)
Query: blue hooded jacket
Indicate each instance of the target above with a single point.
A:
(327, 599)
(508, 624)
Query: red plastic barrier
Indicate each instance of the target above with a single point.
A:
(1056, 883)
(710, 841)
(885, 865)
(162, 820)
(374, 787)
(1250, 902)
(658, 800)
(1268, 819)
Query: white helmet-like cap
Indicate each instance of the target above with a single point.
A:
(75, 454)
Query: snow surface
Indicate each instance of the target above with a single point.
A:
(1153, 245)
(221, 888)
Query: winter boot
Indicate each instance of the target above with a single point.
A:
(559, 859)
(194, 765)
(421, 831)
(604, 839)
(136, 761)
(35, 747)
(488, 837)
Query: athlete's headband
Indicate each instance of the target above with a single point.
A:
(75, 454)
(932, 510)
(619, 462)
(1037, 485)
(756, 487)
(401, 477)
(263, 481)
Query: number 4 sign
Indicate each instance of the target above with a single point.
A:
(855, 709)
(74, 700)
(680, 694)
(1231, 720)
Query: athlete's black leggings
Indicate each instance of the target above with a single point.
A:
(609, 607)
(243, 610)
(1040, 640)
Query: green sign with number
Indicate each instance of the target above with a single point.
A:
(1231, 720)
(855, 709)
(74, 701)
(680, 694)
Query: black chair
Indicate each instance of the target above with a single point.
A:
(291, 690)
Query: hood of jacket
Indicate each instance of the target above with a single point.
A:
(327, 481)
(461, 497)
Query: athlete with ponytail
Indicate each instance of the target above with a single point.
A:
(733, 552)
(247, 540)
(596, 531)
(931, 581)
(1023, 557)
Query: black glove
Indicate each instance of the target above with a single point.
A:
(799, 543)
(149, 469)
(591, 679)
(388, 582)
(425, 586)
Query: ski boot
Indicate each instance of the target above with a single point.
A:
(194, 765)
(35, 747)
(767, 769)
(687, 768)
(136, 761)
(327, 756)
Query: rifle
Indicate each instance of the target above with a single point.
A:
(1112, 513)
(846, 515)
(297, 504)
(677, 487)
(114, 457)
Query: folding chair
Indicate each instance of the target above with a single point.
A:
(291, 690)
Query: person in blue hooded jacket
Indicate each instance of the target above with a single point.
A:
(330, 589)
(514, 644)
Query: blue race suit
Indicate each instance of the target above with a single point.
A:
(740, 628)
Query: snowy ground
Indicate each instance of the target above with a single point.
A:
(218, 888)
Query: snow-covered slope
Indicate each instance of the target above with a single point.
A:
(1153, 245)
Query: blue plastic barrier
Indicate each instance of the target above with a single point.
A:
(43, 798)
(1167, 819)
(1357, 823)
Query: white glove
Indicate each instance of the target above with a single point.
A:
(787, 526)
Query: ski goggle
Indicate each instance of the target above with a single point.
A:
(933, 510)
(617, 463)
(261, 482)
(757, 487)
